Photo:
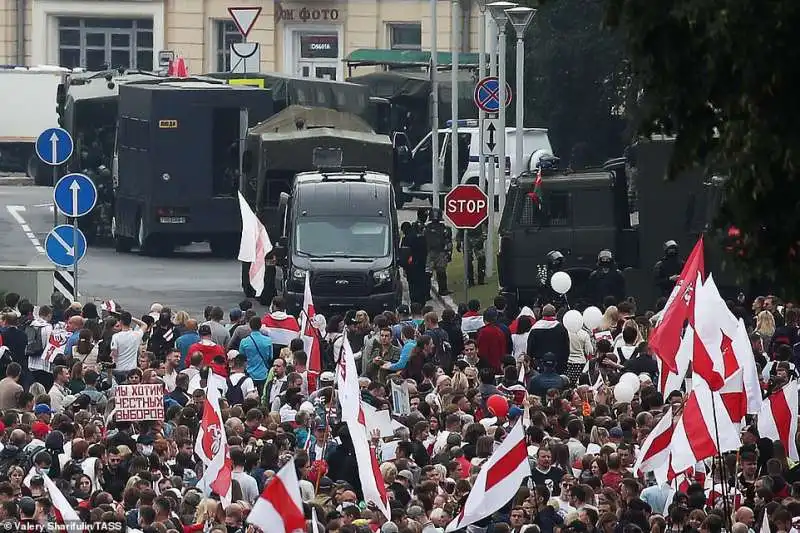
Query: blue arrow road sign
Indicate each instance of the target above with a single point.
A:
(54, 146)
(61, 248)
(75, 195)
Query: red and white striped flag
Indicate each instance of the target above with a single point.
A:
(65, 511)
(56, 343)
(498, 481)
(282, 328)
(310, 337)
(669, 381)
(666, 337)
(369, 472)
(778, 418)
(280, 507)
(695, 435)
(655, 449)
(254, 245)
(212, 446)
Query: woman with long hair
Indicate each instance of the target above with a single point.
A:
(85, 350)
(765, 326)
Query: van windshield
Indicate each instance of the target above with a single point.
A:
(346, 237)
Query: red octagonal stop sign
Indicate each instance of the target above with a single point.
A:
(466, 206)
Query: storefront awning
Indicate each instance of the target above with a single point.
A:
(406, 58)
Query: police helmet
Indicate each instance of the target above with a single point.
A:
(422, 215)
(605, 256)
(670, 246)
(555, 257)
(435, 214)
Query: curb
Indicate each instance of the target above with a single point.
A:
(16, 181)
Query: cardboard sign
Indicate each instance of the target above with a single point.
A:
(401, 401)
(133, 403)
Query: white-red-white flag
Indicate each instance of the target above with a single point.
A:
(254, 245)
(655, 451)
(743, 352)
(282, 328)
(369, 473)
(212, 446)
(60, 502)
(666, 337)
(778, 418)
(280, 506)
(310, 336)
(669, 381)
(498, 480)
(695, 434)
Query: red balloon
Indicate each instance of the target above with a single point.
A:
(497, 405)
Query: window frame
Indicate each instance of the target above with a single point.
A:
(391, 27)
(99, 25)
(223, 30)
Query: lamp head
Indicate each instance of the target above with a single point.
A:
(520, 17)
(498, 12)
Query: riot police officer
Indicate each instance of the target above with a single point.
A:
(439, 244)
(418, 286)
(606, 279)
(476, 238)
(555, 263)
(668, 268)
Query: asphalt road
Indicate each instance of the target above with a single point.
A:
(188, 280)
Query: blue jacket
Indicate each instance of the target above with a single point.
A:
(182, 344)
(257, 347)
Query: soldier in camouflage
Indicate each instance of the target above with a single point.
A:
(476, 238)
(439, 243)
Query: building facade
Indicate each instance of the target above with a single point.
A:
(300, 37)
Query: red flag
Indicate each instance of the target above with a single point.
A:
(280, 506)
(310, 337)
(212, 446)
(666, 338)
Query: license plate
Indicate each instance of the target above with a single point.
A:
(172, 220)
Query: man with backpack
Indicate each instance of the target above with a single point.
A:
(239, 383)
(257, 350)
(37, 331)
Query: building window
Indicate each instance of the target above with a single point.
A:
(227, 34)
(100, 43)
(406, 36)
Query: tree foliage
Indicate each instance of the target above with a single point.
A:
(721, 76)
(575, 76)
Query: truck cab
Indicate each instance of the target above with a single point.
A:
(340, 228)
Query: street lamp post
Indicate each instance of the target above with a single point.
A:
(487, 185)
(498, 12)
(520, 18)
(434, 106)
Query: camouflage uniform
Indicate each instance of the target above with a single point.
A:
(476, 238)
(439, 243)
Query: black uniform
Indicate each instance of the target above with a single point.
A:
(418, 282)
(606, 279)
(668, 266)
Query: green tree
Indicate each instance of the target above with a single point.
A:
(575, 76)
(720, 75)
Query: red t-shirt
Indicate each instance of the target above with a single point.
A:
(209, 351)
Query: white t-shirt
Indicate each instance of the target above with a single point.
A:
(247, 384)
(127, 344)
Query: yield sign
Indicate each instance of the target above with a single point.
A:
(244, 18)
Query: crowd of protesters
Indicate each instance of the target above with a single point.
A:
(58, 422)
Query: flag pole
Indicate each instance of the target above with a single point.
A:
(723, 480)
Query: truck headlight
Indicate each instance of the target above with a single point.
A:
(382, 276)
(298, 274)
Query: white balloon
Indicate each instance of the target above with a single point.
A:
(592, 317)
(561, 282)
(573, 321)
(631, 379)
(623, 392)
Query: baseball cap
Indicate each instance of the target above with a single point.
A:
(27, 505)
(235, 313)
(205, 329)
(233, 354)
(406, 474)
(615, 432)
(145, 440)
(327, 376)
(40, 429)
(42, 409)
(403, 310)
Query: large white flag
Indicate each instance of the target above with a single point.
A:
(254, 245)
(212, 446)
(279, 509)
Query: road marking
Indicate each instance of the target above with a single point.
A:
(15, 210)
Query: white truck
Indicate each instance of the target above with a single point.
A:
(27, 107)
(536, 144)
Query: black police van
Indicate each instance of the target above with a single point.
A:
(626, 206)
(340, 228)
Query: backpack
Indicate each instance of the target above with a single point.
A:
(72, 468)
(34, 347)
(234, 394)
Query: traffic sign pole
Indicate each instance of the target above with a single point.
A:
(434, 105)
(491, 177)
(501, 142)
(75, 257)
(466, 267)
(55, 209)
